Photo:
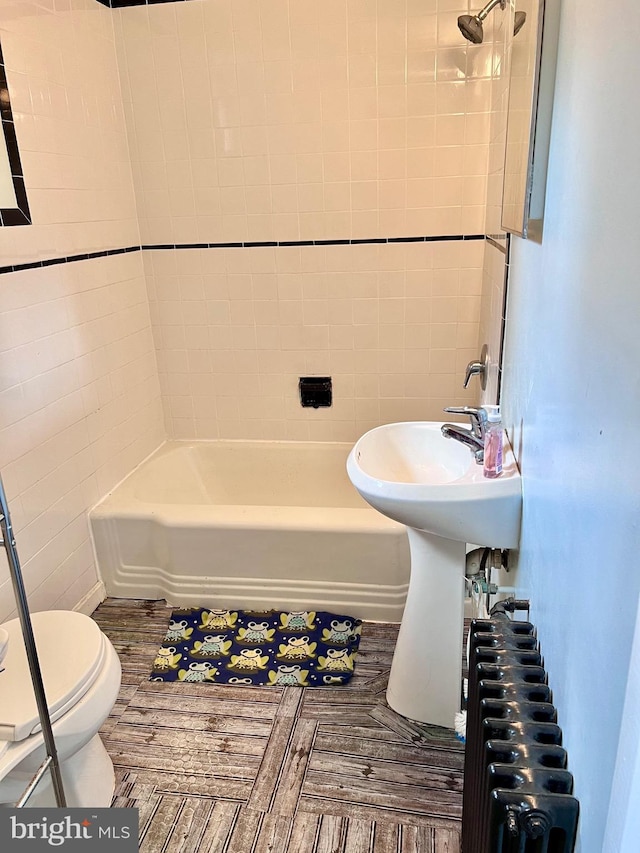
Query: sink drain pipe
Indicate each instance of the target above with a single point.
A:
(479, 564)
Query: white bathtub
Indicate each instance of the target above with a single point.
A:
(254, 525)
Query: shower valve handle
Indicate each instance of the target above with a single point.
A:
(474, 368)
(478, 368)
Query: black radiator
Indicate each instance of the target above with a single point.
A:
(517, 790)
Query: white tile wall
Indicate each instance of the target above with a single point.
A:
(67, 106)
(393, 324)
(492, 316)
(79, 394)
(340, 120)
(500, 26)
(299, 120)
(79, 408)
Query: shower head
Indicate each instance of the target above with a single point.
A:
(519, 22)
(471, 25)
(471, 28)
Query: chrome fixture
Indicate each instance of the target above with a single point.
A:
(519, 22)
(478, 368)
(474, 437)
(471, 25)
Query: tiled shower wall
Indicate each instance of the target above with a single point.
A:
(79, 395)
(304, 121)
(492, 308)
(298, 121)
(393, 324)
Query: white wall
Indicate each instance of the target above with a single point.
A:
(623, 824)
(79, 391)
(572, 402)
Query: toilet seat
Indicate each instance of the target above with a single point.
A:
(71, 651)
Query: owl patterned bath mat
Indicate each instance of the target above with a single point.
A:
(266, 647)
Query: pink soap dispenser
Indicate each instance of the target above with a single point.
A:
(493, 443)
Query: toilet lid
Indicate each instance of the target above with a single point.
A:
(70, 650)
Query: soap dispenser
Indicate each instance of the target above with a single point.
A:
(493, 443)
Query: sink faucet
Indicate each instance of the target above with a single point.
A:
(474, 437)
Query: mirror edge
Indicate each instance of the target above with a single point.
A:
(19, 215)
(541, 119)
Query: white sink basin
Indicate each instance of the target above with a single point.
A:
(411, 473)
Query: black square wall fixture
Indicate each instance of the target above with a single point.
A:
(315, 391)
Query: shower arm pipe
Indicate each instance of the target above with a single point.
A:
(51, 763)
(490, 7)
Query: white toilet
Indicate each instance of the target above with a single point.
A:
(81, 673)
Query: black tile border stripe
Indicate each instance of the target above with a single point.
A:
(70, 259)
(155, 247)
(121, 4)
(356, 241)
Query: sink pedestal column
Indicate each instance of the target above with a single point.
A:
(425, 678)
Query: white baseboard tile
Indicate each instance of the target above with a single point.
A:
(92, 599)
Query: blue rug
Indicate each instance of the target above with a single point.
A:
(266, 647)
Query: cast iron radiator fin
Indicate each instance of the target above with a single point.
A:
(517, 791)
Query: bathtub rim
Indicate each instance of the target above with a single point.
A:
(122, 499)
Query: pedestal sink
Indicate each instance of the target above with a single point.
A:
(411, 473)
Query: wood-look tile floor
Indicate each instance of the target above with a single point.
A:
(222, 769)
